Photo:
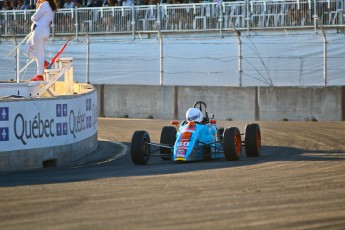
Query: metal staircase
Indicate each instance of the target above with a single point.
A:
(63, 67)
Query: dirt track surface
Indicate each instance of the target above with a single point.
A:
(297, 183)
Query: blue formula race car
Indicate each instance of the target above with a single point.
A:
(196, 138)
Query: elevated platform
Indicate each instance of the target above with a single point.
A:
(47, 123)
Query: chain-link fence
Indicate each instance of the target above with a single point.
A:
(300, 58)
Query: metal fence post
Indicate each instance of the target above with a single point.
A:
(324, 57)
(76, 23)
(220, 19)
(158, 22)
(239, 42)
(315, 16)
(248, 17)
(160, 58)
(87, 58)
(133, 22)
(17, 56)
(324, 53)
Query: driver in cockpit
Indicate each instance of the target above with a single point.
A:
(194, 114)
(208, 130)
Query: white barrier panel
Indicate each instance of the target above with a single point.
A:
(45, 122)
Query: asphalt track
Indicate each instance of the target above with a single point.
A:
(297, 183)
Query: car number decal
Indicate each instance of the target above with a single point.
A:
(183, 144)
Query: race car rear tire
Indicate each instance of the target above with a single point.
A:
(252, 140)
(140, 150)
(168, 137)
(232, 144)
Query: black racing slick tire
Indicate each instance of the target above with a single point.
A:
(232, 144)
(168, 137)
(140, 149)
(252, 140)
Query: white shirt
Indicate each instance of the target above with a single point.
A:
(43, 16)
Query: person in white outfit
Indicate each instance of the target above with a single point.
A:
(34, 48)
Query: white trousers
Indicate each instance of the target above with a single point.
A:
(34, 47)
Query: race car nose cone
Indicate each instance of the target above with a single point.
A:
(180, 160)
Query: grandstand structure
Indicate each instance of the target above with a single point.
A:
(196, 17)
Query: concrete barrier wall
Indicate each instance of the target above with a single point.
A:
(39, 132)
(136, 101)
(227, 103)
(293, 103)
(55, 156)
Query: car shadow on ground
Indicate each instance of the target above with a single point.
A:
(123, 166)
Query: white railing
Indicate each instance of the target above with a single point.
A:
(239, 15)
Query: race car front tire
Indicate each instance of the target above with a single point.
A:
(232, 144)
(140, 149)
